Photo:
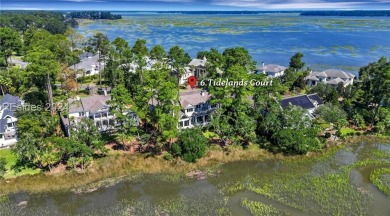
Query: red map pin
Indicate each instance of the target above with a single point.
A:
(192, 81)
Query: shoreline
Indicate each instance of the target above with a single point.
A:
(118, 167)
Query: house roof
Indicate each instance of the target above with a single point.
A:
(3, 124)
(338, 73)
(335, 81)
(333, 73)
(300, 100)
(6, 112)
(86, 55)
(193, 97)
(92, 103)
(274, 68)
(86, 63)
(198, 62)
(10, 99)
(315, 98)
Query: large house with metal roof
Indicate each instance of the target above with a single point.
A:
(307, 102)
(8, 131)
(332, 77)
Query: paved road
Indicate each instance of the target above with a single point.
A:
(22, 64)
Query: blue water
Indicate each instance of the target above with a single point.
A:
(345, 43)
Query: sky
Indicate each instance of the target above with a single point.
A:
(194, 5)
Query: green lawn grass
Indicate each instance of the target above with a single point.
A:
(11, 160)
(346, 131)
(210, 134)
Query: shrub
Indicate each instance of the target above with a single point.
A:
(191, 145)
(3, 162)
(168, 156)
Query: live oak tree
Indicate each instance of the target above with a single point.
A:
(375, 89)
(10, 41)
(238, 56)
(291, 131)
(191, 145)
(333, 114)
(234, 102)
(42, 70)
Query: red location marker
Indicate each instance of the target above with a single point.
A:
(192, 81)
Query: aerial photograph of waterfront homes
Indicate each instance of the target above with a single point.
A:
(194, 107)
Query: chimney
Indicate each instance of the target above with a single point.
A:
(202, 93)
(105, 92)
(263, 64)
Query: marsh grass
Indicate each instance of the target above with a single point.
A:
(381, 179)
(118, 166)
(260, 209)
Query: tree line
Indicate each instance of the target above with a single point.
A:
(93, 15)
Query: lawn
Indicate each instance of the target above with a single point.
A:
(11, 160)
(346, 131)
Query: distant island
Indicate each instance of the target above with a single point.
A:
(375, 13)
(94, 15)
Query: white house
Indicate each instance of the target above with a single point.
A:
(271, 70)
(94, 107)
(195, 108)
(187, 73)
(332, 77)
(89, 64)
(8, 130)
(198, 66)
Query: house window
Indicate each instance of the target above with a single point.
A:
(198, 106)
(207, 118)
(186, 123)
(9, 125)
(81, 114)
(190, 110)
(199, 119)
(1, 136)
(213, 106)
(181, 124)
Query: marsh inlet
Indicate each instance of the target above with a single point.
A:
(337, 183)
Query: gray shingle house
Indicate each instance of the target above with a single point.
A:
(271, 70)
(89, 64)
(195, 108)
(8, 131)
(332, 77)
(94, 107)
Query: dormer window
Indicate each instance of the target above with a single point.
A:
(190, 110)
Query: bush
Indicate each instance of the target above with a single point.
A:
(191, 145)
(3, 162)
(168, 157)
